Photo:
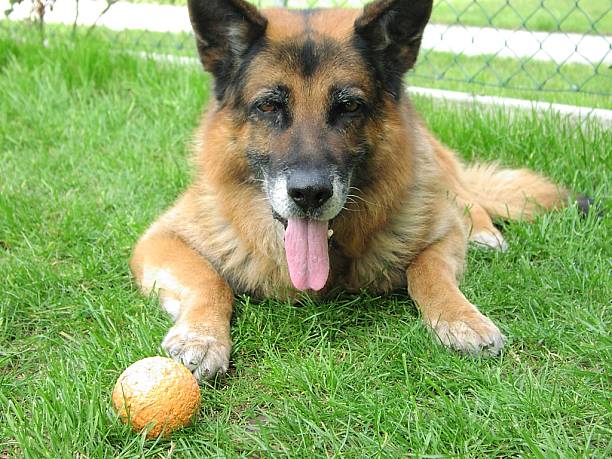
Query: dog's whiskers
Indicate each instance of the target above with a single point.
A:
(360, 197)
(373, 204)
(349, 210)
(251, 181)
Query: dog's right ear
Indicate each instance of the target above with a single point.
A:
(224, 30)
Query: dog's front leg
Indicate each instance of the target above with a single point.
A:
(191, 291)
(432, 284)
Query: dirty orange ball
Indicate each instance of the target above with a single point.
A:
(156, 392)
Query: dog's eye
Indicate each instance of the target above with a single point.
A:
(350, 106)
(267, 107)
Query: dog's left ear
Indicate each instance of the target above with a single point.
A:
(225, 30)
(392, 32)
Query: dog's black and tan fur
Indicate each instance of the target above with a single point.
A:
(310, 121)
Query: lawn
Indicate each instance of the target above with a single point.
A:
(574, 84)
(582, 16)
(94, 145)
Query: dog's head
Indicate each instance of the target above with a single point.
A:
(306, 90)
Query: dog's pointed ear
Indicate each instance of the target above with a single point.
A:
(224, 30)
(392, 31)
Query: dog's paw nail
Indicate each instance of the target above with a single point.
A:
(202, 354)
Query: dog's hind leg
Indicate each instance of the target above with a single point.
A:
(432, 284)
(481, 231)
(191, 291)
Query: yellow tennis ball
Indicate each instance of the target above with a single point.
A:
(156, 392)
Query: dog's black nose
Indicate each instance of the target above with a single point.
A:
(309, 190)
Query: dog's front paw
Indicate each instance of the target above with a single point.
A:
(474, 333)
(489, 239)
(204, 354)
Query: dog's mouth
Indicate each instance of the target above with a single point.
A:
(306, 213)
(279, 218)
(306, 251)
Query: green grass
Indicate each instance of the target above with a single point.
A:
(93, 148)
(575, 84)
(583, 16)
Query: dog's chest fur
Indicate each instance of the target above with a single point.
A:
(249, 253)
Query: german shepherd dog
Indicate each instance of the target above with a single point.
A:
(314, 171)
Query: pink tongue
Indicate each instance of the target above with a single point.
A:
(306, 251)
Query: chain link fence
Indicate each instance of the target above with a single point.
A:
(534, 48)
